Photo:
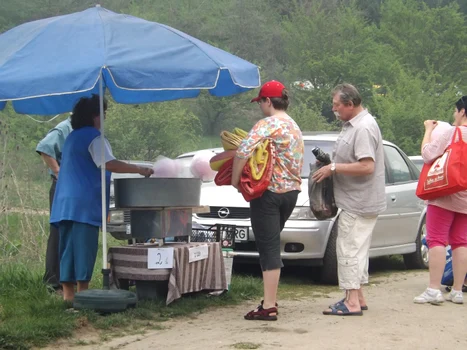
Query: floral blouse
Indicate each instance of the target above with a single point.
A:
(289, 145)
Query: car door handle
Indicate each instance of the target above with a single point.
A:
(393, 198)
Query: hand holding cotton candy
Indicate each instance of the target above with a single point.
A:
(166, 167)
(200, 166)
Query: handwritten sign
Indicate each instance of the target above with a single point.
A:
(197, 253)
(160, 258)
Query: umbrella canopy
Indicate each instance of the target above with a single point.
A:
(47, 65)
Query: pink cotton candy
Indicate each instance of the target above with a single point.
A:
(166, 167)
(200, 166)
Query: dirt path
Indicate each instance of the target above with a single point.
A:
(392, 322)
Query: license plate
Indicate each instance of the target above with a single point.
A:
(241, 234)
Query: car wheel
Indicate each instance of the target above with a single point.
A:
(328, 272)
(418, 259)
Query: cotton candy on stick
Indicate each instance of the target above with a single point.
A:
(166, 167)
(200, 166)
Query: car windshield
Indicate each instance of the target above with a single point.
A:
(309, 158)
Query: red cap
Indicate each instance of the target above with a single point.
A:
(270, 89)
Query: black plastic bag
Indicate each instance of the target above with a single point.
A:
(321, 195)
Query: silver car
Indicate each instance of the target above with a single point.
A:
(311, 242)
(418, 161)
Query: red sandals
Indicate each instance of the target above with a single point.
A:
(262, 314)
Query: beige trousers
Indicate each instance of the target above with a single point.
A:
(353, 245)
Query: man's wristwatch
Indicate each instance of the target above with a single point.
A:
(333, 167)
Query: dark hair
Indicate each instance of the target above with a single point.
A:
(347, 93)
(462, 104)
(280, 103)
(85, 110)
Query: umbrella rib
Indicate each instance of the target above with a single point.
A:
(105, 41)
(217, 63)
(188, 39)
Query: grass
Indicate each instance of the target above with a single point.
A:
(23, 237)
(24, 194)
(31, 316)
(296, 282)
(24, 181)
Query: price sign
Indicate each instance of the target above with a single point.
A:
(160, 258)
(198, 253)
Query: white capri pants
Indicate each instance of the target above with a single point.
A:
(352, 247)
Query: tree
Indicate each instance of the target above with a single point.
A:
(15, 12)
(371, 9)
(142, 132)
(440, 3)
(413, 99)
(427, 39)
(309, 119)
(330, 47)
(394, 51)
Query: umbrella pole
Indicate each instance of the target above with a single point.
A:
(105, 270)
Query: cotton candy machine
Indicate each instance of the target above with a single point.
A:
(159, 207)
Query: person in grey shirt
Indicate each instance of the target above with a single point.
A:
(358, 175)
(50, 150)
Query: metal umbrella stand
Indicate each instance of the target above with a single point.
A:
(47, 65)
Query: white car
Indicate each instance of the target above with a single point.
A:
(311, 242)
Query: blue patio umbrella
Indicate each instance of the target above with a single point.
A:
(47, 65)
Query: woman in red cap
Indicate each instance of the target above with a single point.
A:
(270, 211)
